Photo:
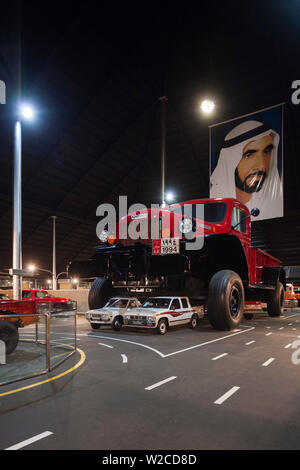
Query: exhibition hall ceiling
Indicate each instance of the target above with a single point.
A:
(95, 78)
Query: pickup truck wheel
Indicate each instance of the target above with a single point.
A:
(193, 322)
(95, 326)
(10, 335)
(117, 323)
(275, 301)
(100, 292)
(162, 327)
(225, 303)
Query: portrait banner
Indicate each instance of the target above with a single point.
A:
(246, 161)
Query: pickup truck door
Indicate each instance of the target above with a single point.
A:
(186, 309)
(180, 315)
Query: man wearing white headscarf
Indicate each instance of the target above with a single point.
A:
(247, 169)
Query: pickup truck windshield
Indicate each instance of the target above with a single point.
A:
(213, 211)
(117, 303)
(156, 303)
(26, 294)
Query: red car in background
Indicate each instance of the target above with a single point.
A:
(41, 295)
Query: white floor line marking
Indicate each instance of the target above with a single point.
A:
(126, 341)
(175, 352)
(282, 328)
(288, 346)
(265, 364)
(124, 357)
(268, 334)
(106, 345)
(268, 327)
(29, 441)
(161, 383)
(290, 324)
(294, 329)
(250, 342)
(219, 357)
(290, 316)
(209, 342)
(226, 395)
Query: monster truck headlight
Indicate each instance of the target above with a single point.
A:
(104, 236)
(185, 225)
(88, 316)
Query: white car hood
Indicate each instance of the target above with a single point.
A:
(107, 310)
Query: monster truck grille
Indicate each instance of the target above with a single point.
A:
(145, 233)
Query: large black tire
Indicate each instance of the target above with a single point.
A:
(100, 292)
(225, 303)
(117, 323)
(10, 335)
(275, 301)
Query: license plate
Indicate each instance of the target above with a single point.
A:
(166, 246)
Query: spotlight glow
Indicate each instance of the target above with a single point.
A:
(169, 196)
(207, 106)
(27, 112)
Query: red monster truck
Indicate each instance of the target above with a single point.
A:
(222, 274)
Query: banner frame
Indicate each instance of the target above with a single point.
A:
(249, 114)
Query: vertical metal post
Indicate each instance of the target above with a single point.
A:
(75, 325)
(163, 100)
(48, 362)
(37, 330)
(54, 280)
(17, 212)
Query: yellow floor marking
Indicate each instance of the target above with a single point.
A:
(79, 363)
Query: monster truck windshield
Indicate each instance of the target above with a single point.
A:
(156, 302)
(213, 211)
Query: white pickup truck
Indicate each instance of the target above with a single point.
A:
(162, 313)
(112, 312)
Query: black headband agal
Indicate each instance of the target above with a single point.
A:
(247, 135)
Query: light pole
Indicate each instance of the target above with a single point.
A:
(163, 100)
(54, 283)
(25, 112)
(32, 268)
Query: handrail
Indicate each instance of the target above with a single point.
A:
(47, 316)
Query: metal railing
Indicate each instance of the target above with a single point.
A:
(31, 352)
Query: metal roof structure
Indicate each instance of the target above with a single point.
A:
(96, 76)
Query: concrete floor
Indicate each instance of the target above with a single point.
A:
(189, 389)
